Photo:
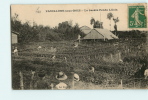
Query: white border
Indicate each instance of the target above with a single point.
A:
(6, 93)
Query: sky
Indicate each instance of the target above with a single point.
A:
(45, 15)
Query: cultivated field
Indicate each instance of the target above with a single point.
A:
(118, 64)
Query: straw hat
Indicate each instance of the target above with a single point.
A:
(61, 76)
(61, 86)
(76, 77)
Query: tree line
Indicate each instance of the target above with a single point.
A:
(28, 33)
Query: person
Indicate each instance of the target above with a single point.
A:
(79, 38)
(75, 80)
(76, 44)
(91, 69)
(42, 83)
(76, 77)
(61, 86)
(61, 76)
(39, 47)
(65, 58)
(53, 58)
(15, 51)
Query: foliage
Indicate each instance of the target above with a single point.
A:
(29, 33)
(79, 59)
(68, 31)
(96, 24)
(109, 15)
(115, 20)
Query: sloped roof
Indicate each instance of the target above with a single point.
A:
(97, 33)
(94, 35)
(106, 33)
(85, 29)
(15, 32)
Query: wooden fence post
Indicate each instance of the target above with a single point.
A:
(21, 80)
(121, 84)
(51, 86)
(134, 84)
(32, 76)
(119, 56)
(65, 59)
(73, 80)
(111, 56)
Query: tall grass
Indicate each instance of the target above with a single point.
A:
(80, 58)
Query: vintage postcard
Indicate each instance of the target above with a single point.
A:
(79, 46)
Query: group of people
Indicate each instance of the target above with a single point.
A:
(42, 83)
(52, 50)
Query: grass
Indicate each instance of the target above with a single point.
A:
(107, 72)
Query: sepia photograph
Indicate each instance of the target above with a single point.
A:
(79, 46)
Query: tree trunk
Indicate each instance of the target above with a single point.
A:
(110, 24)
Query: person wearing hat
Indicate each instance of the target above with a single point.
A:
(91, 69)
(61, 76)
(53, 57)
(15, 51)
(61, 86)
(42, 83)
(39, 47)
(76, 77)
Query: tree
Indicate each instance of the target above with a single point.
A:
(70, 22)
(115, 26)
(96, 24)
(92, 22)
(67, 30)
(109, 16)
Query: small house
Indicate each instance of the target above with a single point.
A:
(103, 34)
(14, 37)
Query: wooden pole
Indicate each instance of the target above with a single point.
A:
(106, 83)
(110, 24)
(51, 86)
(119, 55)
(134, 84)
(32, 76)
(128, 50)
(111, 56)
(72, 80)
(121, 84)
(21, 81)
(79, 40)
(65, 59)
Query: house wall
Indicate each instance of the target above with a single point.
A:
(14, 38)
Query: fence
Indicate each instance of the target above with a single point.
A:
(26, 82)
